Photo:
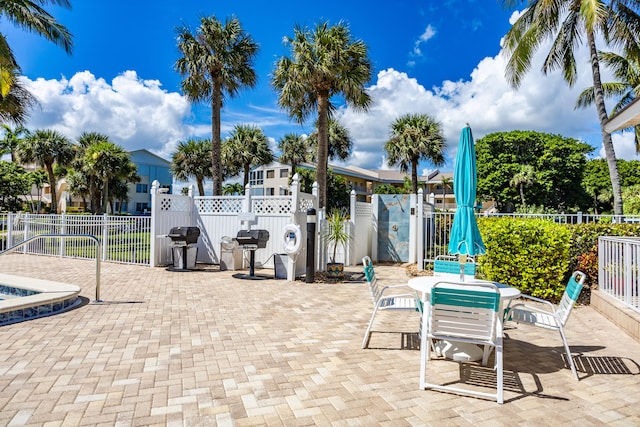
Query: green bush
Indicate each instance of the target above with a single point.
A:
(532, 255)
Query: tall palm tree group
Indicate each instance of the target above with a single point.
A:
(94, 167)
(568, 24)
(325, 63)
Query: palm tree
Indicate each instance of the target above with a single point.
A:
(191, 160)
(294, 149)
(108, 161)
(233, 189)
(566, 22)
(37, 179)
(31, 16)
(217, 61)
(248, 147)
(415, 137)
(627, 71)
(11, 139)
(46, 148)
(325, 62)
(446, 183)
(525, 176)
(340, 142)
(92, 183)
(79, 185)
(15, 100)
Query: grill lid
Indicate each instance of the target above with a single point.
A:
(184, 234)
(253, 237)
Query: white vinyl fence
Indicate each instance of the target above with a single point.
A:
(220, 217)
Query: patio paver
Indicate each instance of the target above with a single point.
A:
(202, 348)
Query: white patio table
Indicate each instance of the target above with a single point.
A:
(461, 352)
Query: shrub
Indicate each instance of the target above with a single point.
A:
(532, 255)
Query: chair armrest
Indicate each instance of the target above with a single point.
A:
(540, 300)
(384, 288)
(532, 308)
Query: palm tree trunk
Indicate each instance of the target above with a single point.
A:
(52, 187)
(105, 195)
(414, 176)
(199, 181)
(246, 176)
(522, 194)
(323, 148)
(607, 143)
(216, 144)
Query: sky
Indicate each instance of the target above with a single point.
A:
(437, 57)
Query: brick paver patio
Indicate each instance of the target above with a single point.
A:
(202, 348)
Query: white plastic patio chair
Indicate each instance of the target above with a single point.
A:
(553, 318)
(382, 301)
(467, 313)
(449, 266)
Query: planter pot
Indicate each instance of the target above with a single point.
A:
(335, 270)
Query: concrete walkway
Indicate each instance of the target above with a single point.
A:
(202, 348)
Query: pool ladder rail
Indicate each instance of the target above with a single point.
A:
(66, 236)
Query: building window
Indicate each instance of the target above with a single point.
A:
(284, 173)
(142, 188)
(438, 201)
(271, 174)
(270, 191)
(142, 207)
(256, 178)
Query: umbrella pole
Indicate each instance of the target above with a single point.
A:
(462, 260)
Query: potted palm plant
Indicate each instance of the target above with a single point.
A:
(336, 235)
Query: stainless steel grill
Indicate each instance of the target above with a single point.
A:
(251, 240)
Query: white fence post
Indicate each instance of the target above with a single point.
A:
(105, 236)
(351, 224)
(420, 229)
(9, 229)
(375, 202)
(63, 230)
(25, 232)
(413, 229)
(154, 250)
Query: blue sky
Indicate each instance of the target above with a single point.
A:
(442, 58)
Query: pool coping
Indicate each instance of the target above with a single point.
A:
(49, 292)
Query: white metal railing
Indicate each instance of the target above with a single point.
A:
(87, 237)
(123, 239)
(619, 268)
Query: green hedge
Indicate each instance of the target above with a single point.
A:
(537, 256)
(532, 255)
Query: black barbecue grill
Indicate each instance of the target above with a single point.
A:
(186, 238)
(251, 240)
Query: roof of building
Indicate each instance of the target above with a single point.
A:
(146, 157)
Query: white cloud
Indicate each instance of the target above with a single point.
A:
(135, 113)
(623, 145)
(486, 101)
(429, 32)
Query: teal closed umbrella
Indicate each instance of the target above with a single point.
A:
(465, 238)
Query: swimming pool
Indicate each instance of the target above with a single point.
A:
(24, 298)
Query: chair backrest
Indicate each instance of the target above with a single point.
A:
(449, 265)
(464, 311)
(570, 295)
(370, 276)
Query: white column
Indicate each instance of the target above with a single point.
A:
(420, 230)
